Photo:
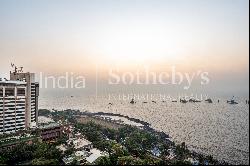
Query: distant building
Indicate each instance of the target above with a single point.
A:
(51, 131)
(84, 157)
(94, 155)
(80, 144)
(18, 102)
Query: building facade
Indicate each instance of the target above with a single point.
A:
(18, 102)
(12, 106)
(51, 131)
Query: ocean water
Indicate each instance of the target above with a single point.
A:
(219, 129)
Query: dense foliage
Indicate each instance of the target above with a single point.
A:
(36, 153)
(126, 146)
(130, 145)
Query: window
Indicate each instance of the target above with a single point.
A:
(1, 92)
(9, 92)
(20, 92)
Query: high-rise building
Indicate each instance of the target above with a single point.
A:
(18, 102)
(12, 106)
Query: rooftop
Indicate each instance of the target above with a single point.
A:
(62, 147)
(3, 81)
(48, 125)
(95, 155)
(79, 143)
(90, 157)
(68, 160)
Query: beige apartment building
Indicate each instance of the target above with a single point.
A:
(18, 102)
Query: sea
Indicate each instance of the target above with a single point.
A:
(218, 129)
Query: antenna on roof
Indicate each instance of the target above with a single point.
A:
(20, 70)
(16, 69)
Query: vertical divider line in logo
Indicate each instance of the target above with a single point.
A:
(96, 80)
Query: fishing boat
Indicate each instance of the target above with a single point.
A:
(132, 101)
(183, 101)
(209, 100)
(232, 101)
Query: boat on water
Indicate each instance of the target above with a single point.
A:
(209, 100)
(232, 101)
(194, 101)
(183, 101)
(132, 101)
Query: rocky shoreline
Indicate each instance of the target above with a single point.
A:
(147, 127)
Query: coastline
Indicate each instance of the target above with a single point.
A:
(145, 127)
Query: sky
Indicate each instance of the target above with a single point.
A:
(79, 36)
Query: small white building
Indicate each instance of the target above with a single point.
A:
(80, 143)
(95, 154)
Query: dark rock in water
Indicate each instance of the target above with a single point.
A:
(164, 101)
(153, 101)
(209, 100)
(113, 114)
(132, 101)
(110, 104)
(174, 101)
(145, 102)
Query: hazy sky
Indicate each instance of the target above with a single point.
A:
(56, 36)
